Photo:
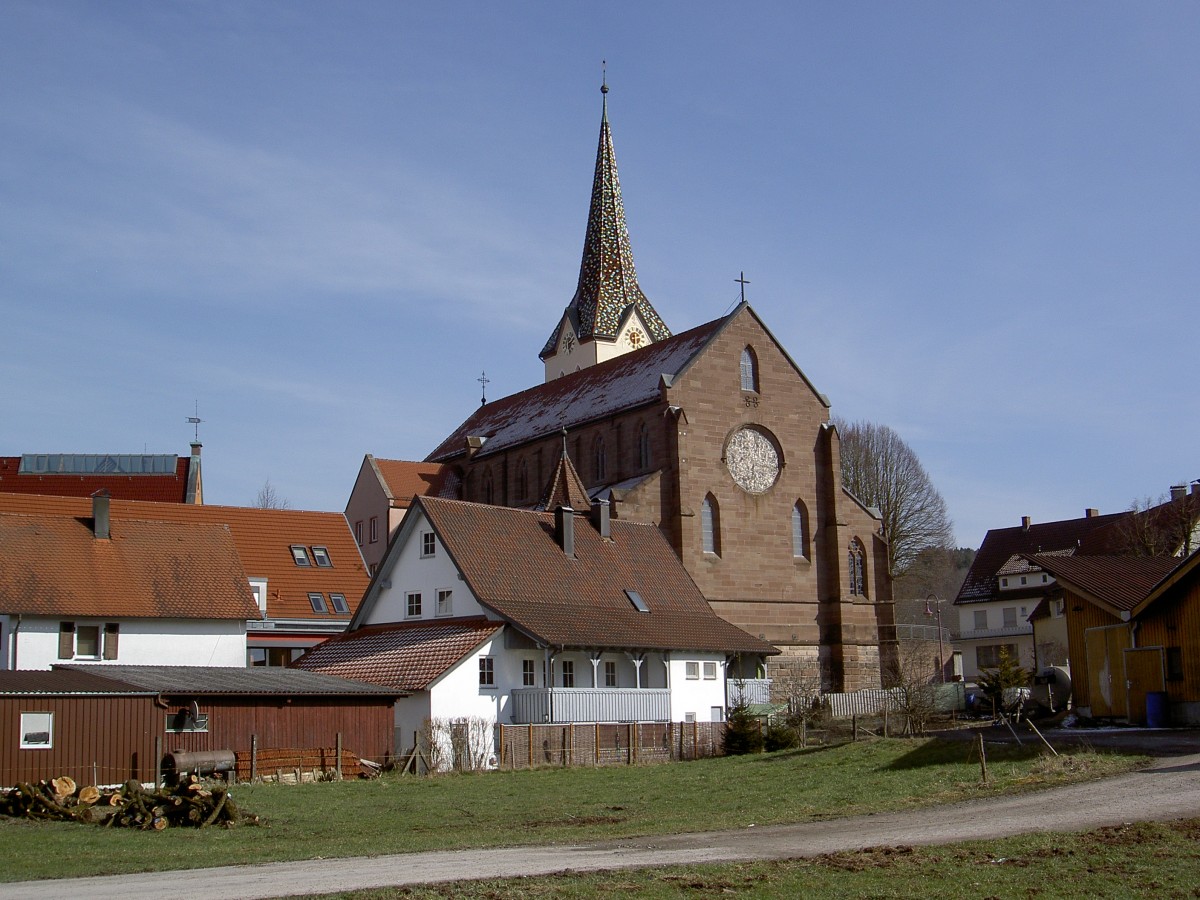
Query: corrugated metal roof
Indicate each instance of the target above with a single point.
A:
(229, 680)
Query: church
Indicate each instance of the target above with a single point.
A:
(716, 436)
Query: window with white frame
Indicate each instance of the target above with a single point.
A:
(748, 369)
(37, 731)
(980, 619)
(317, 601)
(300, 555)
(412, 605)
(487, 671)
(610, 673)
(358, 532)
(528, 673)
(691, 671)
(374, 529)
(689, 717)
(710, 671)
(445, 602)
(339, 604)
(428, 543)
(77, 641)
(321, 557)
(568, 673)
(1010, 617)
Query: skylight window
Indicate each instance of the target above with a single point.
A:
(318, 603)
(321, 557)
(338, 601)
(638, 603)
(300, 555)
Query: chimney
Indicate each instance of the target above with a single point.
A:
(1025, 523)
(1196, 487)
(1090, 513)
(564, 529)
(601, 517)
(1178, 491)
(100, 516)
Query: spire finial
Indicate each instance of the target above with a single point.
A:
(741, 279)
(604, 76)
(564, 437)
(483, 383)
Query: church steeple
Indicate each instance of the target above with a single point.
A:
(607, 296)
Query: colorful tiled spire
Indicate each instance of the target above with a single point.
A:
(608, 283)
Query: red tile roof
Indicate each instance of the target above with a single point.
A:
(402, 480)
(408, 656)
(167, 488)
(628, 381)
(262, 538)
(513, 565)
(1001, 544)
(565, 488)
(1120, 582)
(53, 565)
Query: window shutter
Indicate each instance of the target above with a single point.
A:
(66, 640)
(111, 632)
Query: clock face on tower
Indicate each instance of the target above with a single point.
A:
(568, 342)
(635, 338)
(752, 460)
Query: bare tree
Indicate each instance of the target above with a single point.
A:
(269, 498)
(881, 470)
(1167, 526)
(914, 675)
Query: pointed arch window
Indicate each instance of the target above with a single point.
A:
(749, 370)
(489, 488)
(710, 525)
(601, 460)
(522, 480)
(643, 447)
(855, 569)
(800, 531)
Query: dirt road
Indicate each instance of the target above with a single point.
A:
(1168, 790)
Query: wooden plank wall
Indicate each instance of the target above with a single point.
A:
(1174, 621)
(1082, 615)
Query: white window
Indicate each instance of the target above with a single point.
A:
(718, 714)
(1010, 617)
(528, 676)
(428, 543)
(487, 671)
(1022, 579)
(749, 370)
(412, 605)
(321, 557)
(980, 619)
(358, 532)
(445, 602)
(689, 717)
(338, 601)
(692, 671)
(300, 555)
(317, 601)
(1003, 582)
(37, 730)
(610, 674)
(374, 529)
(568, 674)
(710, 671)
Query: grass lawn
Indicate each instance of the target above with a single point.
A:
(1150, 859)
(397, 814)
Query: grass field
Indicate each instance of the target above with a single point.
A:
(398, 814)
(1150, 859)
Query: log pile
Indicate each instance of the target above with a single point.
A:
(186, 805)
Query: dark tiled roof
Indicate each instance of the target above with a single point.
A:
(1001, 544)
(608, 284)
(408, 656)
(402, 480)
(1121, 582)
(167, 487)
(262, 538)
(53, 565)
(512, 564)
(229, 680)
(63, 681)
(628, 381)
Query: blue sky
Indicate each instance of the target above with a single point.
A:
(975, 223)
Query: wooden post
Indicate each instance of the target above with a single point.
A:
(338, 767)
(253, 758)
(695, 740)
(501, 727)
(885, 720)
(531, 745)
(158, 772)
(982, 757)
(629, 744)
(596, 742)
(803, 733)
(571, 744)
(854, 726)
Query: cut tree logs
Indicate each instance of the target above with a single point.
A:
(187, 805)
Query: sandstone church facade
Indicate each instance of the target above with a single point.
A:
(716, 436)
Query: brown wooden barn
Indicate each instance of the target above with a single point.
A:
(106, 724)
(1133, 628)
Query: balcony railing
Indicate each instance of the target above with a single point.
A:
(754, 690)
(1006, 631)
(532, 706)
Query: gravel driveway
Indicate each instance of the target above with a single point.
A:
(1169, 789)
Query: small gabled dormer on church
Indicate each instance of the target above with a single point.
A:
(609, 315)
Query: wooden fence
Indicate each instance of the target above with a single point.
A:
(605, 744)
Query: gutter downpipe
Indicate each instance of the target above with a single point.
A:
(15, 635)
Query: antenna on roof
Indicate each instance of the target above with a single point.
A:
(196, 420)
(483, 383)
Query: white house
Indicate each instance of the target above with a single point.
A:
(517, 616)
(117, 590)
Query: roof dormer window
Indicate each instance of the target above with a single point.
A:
(300, 555)
(318, 603)
(321, 557)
